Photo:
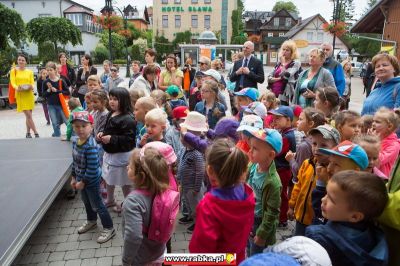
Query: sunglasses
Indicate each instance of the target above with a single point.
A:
(202, 63)
(114, 70)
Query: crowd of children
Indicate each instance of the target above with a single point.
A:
(239, 178)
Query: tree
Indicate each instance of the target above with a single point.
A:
(55, 30)
(117, 43)
(237, 23)
(370, 4)
(182, 37)
(7, 57)
(12, 27)
(100, 53)
(287, 5)
(163, 47)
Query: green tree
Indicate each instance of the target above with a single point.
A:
(7, 57)
(370, 4)
(12, 27)
(287, 5)
(182, 37)
(100, 53)
(163, 47)
(237, 23)
(117, 43)
(55, 30)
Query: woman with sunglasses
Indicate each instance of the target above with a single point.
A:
(311, 79)
(84, 72)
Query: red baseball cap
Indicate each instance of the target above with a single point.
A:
(180, 112)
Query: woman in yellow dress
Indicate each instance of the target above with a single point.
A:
(171, 75)
(22, 81)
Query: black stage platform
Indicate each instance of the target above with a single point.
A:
(32, 173)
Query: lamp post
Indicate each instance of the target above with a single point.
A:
(125, 18)
(337, 6)
(108, 10)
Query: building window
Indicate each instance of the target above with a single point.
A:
(310, 36)
(195, 21)
(281, 34)
(207, 1)
(177, 1)
(288, 22)
(76, 19)
(195, 1)
(165, 21)
(165, 2)
(177, 21)
(270, 34)
(207, 21)
(320, 36)
(276, 21)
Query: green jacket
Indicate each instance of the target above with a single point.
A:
(69, 123)
(390, 218)
(271, 203)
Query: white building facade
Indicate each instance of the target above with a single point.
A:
(80, 15)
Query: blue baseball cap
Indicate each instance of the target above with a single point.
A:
(270, 136)
(349, 150)
(283, 111)
(252, 93)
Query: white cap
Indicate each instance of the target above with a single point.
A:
(213, 73)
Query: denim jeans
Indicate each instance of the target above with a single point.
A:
(94, 205)
(57, 118)
(252, 248)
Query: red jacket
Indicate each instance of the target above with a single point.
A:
(223, 226)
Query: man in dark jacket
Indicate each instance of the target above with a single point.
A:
(248, 71)
(334, 67)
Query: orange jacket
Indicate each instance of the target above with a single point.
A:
(300, 199)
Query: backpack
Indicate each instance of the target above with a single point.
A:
(164, 210)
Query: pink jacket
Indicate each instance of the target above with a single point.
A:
(390, 149)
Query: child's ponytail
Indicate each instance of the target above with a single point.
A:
(151, 170)
(228, 162)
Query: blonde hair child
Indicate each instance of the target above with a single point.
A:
(384, 125)
(155, 123)
(271, 102)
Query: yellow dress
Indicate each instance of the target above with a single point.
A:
(25, 99)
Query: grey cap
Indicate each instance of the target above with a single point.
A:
(328, 132)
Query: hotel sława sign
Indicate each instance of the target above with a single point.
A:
(190, 9)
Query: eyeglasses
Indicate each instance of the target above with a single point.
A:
(114, 70)
(202, 63)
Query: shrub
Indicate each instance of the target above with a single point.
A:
(100, 54)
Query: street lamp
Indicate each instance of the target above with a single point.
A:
(337, 6)
(108, 9)
(125, 18)
(255, 18)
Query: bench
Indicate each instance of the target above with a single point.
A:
(4, 95)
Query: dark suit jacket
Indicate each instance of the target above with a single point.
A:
(255, 76)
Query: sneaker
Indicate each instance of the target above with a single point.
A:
(105, 235)
(185, 220)
(28, 136)
(190, 229)
(87, 225)
(282, 224)
(71, 194)
(36, 135)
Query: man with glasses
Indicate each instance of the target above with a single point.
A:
(334, 67)
(114, 79)
(249, 71)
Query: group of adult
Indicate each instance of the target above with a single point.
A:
(288, 81)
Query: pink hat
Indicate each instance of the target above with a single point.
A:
(195, 121)
(165, 149)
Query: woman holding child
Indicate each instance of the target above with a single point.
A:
(146, 82)
(311, 79)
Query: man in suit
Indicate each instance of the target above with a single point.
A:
(248, 71)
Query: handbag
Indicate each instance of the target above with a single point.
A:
(63, 100)
(11, 90)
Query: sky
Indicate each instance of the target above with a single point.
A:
(307, 8)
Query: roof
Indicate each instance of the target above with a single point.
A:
(78, 4)
(78, 9)
(373, 21)
(301, 25)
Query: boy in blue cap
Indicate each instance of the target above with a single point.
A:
(345, 156)
(264, 179)
(243, 98)
(282, 121)
(353, 200)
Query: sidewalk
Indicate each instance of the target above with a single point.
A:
(56, 241)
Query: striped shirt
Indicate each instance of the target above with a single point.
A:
(191, 169)
(85, 165)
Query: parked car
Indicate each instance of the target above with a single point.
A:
(356, 68)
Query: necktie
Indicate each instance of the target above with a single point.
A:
(242, 76)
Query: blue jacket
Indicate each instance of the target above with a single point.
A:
(385, 94)
(351, 244)
(337, 72)
(212, 116)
